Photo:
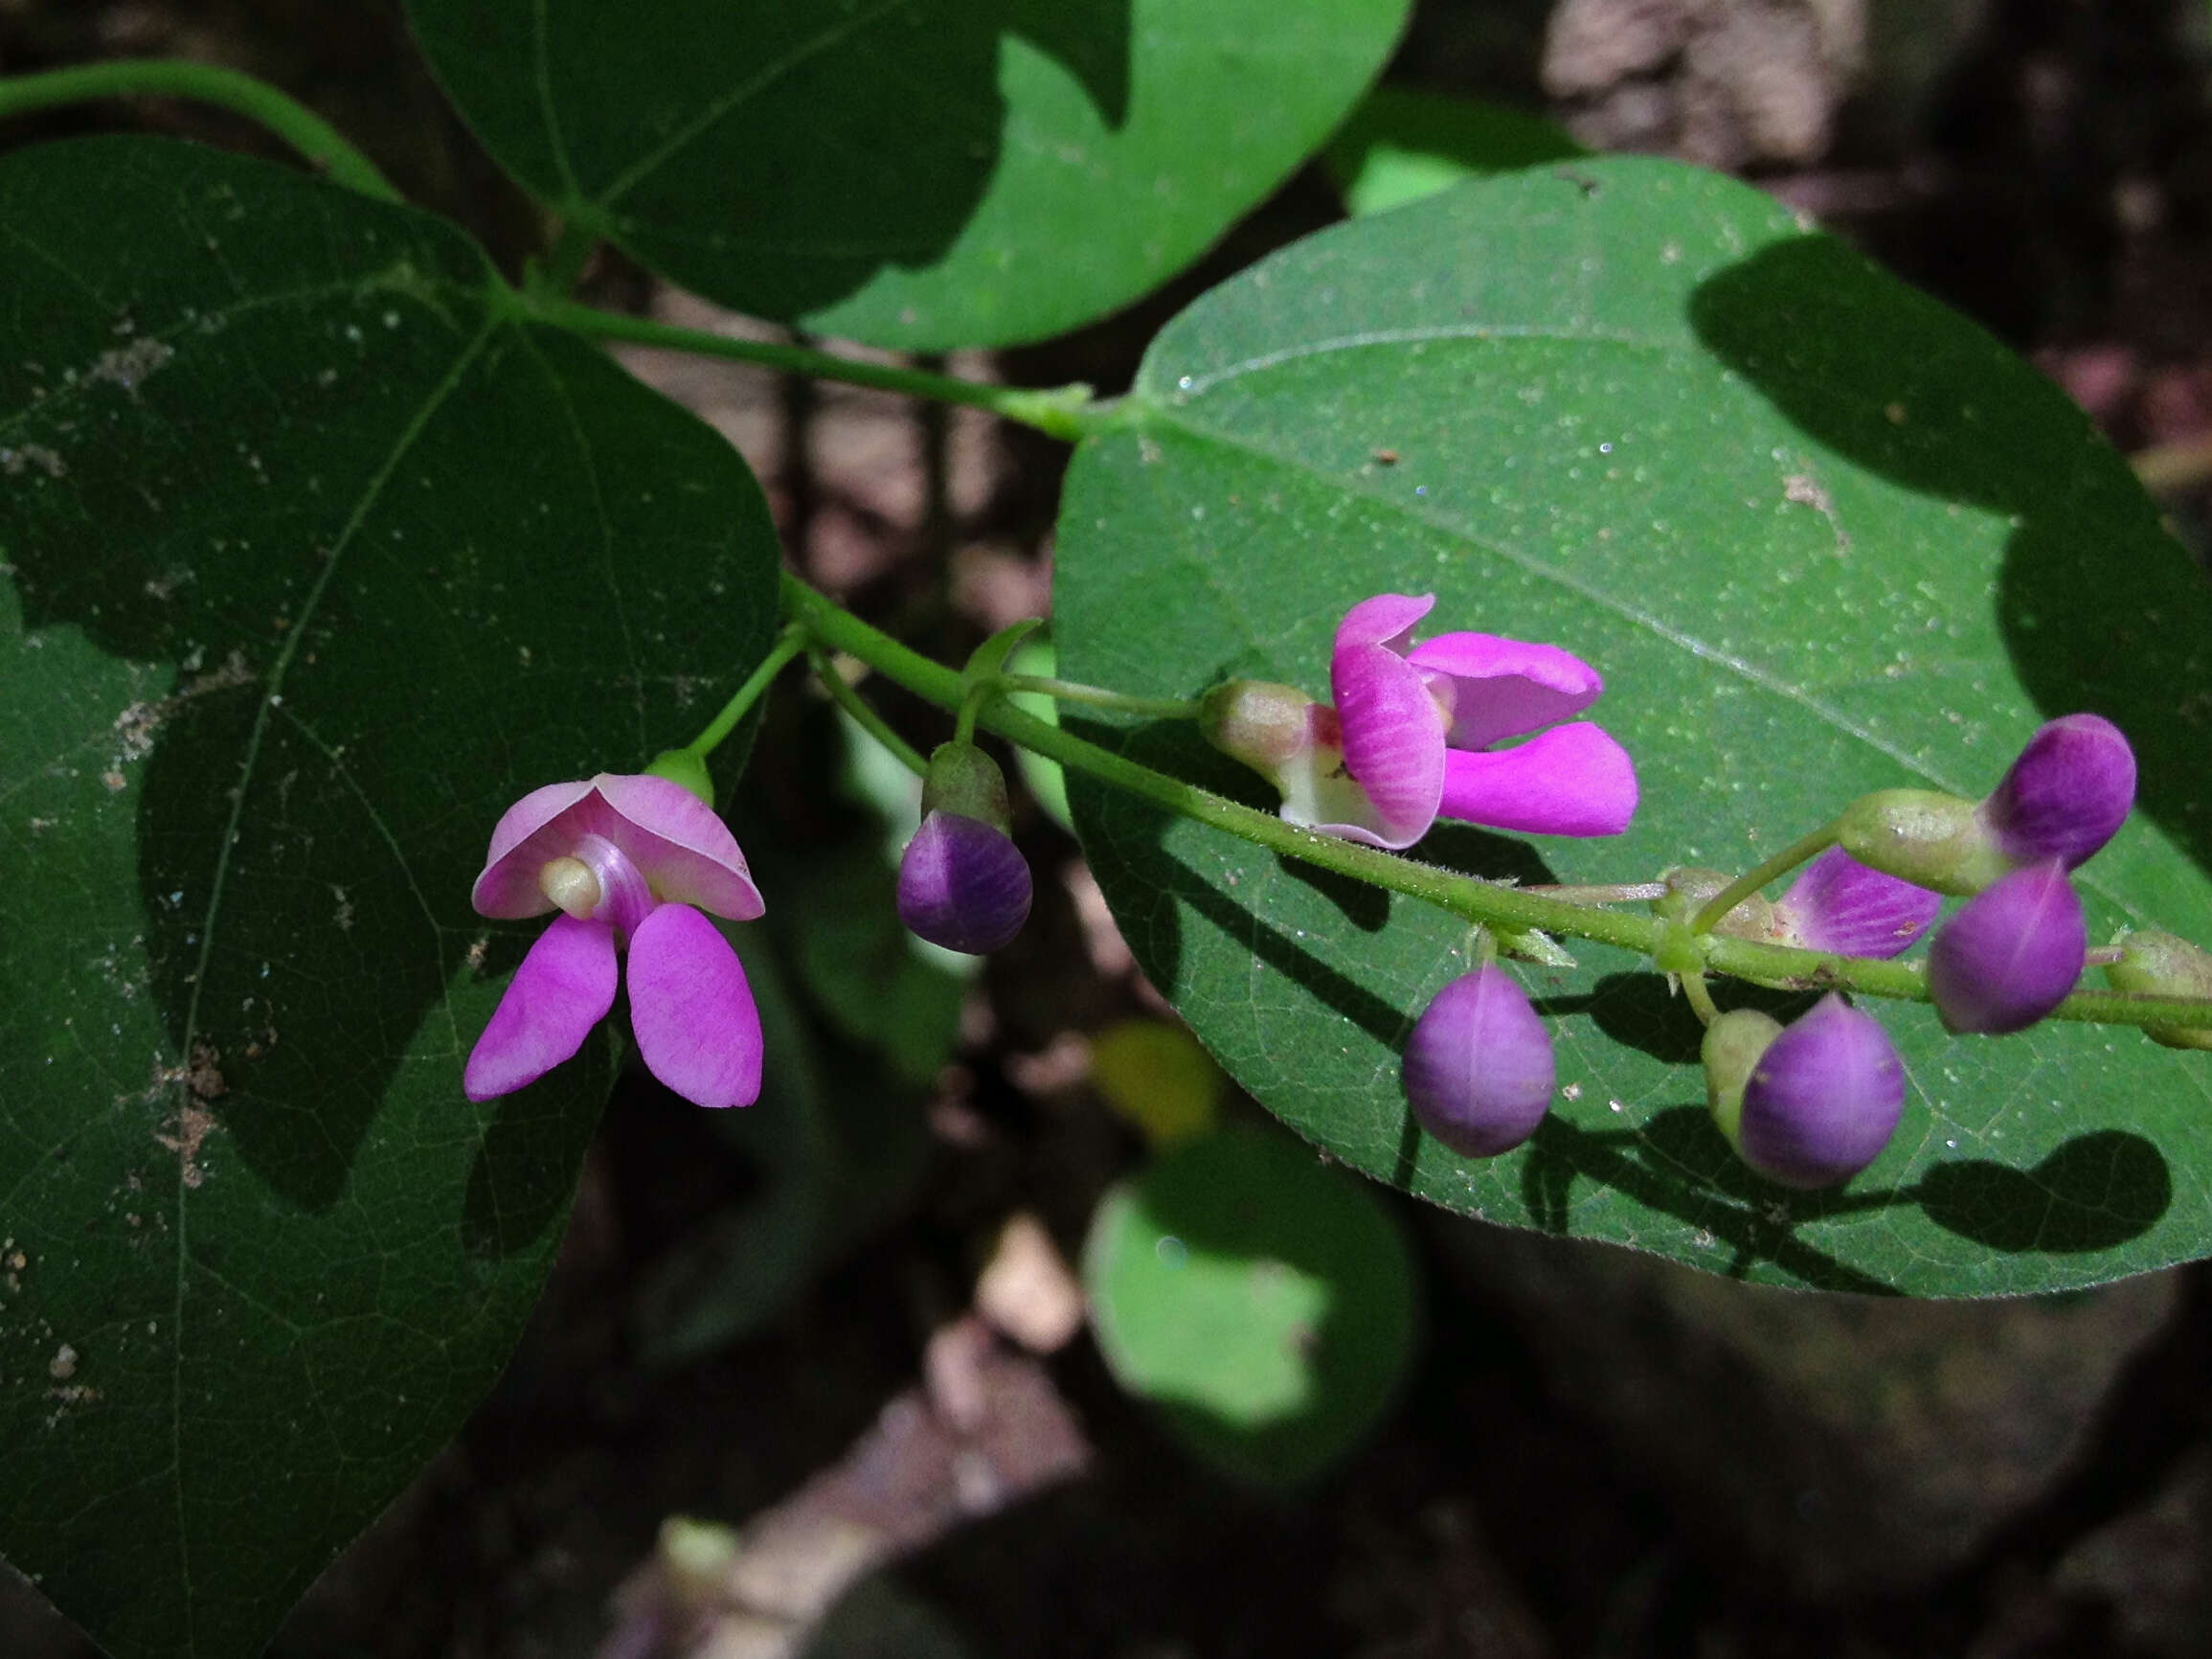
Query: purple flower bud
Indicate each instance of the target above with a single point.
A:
(1479, 1069)
(2010, 956)
(1838, 904)
(2066, 795)
(962, 884)
(1824, 1099)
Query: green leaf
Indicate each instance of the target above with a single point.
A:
(916, 173)
(319, 558)
(1264, 1301)
(1401, 146)
(1821, 534)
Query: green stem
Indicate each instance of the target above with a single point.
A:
(564, 262)
(1067, 412)
(1717, 908)
(1099, 698)
(864, 715)
(1701, 999)
(1507, 908)
(788, 644)
(1605, 892)
(257, 101)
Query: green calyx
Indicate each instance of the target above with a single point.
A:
(963, 781)
(1924, 836)
(2165, 965)
(1733, 1047)
(683, 766)
(1690, 888)
(1259, 722)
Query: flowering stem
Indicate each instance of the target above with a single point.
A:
(1513, 909)
(864, 715)
(982, 679)
(1700, 998)
(788, 644)
(1607, 892)
(1717, 908)
(1067, 412)
(257, 101)
(1099, 698)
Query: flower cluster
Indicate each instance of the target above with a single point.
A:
(1813, 1103)
(1468, 726)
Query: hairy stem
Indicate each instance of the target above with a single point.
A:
(1488, 903)
(257, 101)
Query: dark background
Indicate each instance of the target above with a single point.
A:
(1596, 1454)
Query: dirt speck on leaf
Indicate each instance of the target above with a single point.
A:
(127, 366)
(14, 462)
(63, 1365)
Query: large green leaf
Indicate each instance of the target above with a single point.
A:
(1821, 534)
(318, 557)
(919, 174)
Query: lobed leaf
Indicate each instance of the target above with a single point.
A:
(915, 173)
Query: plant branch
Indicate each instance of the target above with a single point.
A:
(257, 101)
(1485, 903)
(1067, 412)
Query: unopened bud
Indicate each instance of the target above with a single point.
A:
(2011, 955)
(962, 884)
(2164, 964)
(2066, 795)
(1824, 1099)
(1478, 1071)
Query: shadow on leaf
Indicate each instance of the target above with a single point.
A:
(2113, 621)
(2095, 1191)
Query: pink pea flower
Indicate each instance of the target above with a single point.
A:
(630, 861)
(1413, 736)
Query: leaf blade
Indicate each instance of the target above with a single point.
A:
(1529, 397)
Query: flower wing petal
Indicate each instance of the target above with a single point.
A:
(1393, 739)
(682, 845)
(1573, 779)
(508, 889)
(1387, 620)
(1840, 904)
(697, 1029)
(1504, 688)
(563, 988)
